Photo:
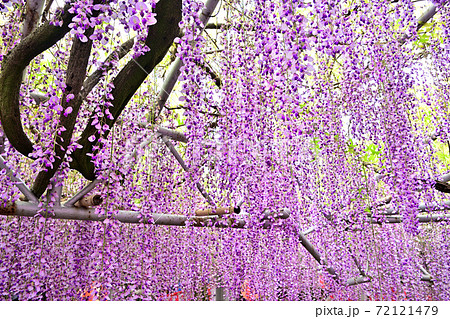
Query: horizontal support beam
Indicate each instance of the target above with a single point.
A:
(218, 211)
(267, 214)
(133, 217)
(430, 207)
(28, 209)
(423, 207)
(399, 219)
(130, 217)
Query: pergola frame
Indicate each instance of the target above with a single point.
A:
(30, 208)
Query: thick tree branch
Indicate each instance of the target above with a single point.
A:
(71, 102)
(32, 17)
(13, 66)
(160, 38)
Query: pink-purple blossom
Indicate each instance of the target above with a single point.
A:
(334, 110)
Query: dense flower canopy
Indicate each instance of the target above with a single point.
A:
(335, 110)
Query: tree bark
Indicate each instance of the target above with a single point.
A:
(75, 76)
(160, 38)
(13, 65)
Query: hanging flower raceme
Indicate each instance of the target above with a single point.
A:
(325, 109)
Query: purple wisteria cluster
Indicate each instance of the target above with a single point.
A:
(335, 111)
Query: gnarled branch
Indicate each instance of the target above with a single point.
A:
(160, 38)
(76, 73)
(13, 65)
